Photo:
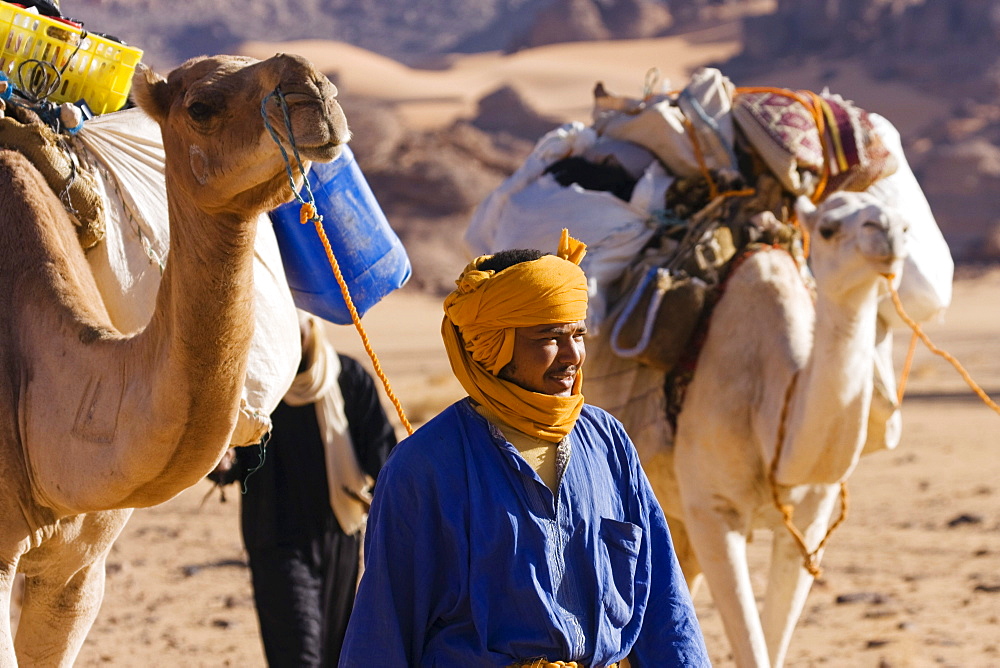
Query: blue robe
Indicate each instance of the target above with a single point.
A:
(470, 559)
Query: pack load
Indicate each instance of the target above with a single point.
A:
(670, 190)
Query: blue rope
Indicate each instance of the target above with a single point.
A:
(284, 154)
(261, 455)
(6, 95)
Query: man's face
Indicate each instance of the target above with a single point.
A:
(547, 358)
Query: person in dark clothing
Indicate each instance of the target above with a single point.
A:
(304, 562)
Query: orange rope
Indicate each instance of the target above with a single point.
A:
(811, 561)
(810, 558)
(906, 367)
(713, 190)
(937, 351)
(307, 213)
(815, 107)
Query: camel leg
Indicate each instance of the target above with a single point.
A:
(718, 533)
(788, 581)
(16, 598)
(7, 658)
(57, 614)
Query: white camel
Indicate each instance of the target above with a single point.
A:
(776, 361)
(94, 423)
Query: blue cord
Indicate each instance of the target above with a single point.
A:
(284, 154)
(261, 455)
(6, 95)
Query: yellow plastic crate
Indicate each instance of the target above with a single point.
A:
(99, 71)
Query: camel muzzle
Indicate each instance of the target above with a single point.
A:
(285, 112)
(883, 239)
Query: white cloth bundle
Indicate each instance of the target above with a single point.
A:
(127, 149)
(926, 280)
(663, 124)
(350, 487)
(530, 209)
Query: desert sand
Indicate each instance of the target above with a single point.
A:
(911, 579)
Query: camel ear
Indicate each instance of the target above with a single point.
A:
(826, 219)
(149, 90)
(804, 206)
(805, 210)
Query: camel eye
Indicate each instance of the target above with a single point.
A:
(199, 111)
(828, 229)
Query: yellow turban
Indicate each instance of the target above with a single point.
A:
(478, 330)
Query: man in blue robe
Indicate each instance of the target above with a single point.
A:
(517, 527)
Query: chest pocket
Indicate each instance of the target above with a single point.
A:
(621, 541)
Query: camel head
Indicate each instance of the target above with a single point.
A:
(854, 240)
(221, 155)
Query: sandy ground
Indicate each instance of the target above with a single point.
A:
(911, 579)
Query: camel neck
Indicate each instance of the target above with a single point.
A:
(203, 314)
(830, 405)
(197, 343)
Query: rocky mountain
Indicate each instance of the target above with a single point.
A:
(429, 182)
(406, 30)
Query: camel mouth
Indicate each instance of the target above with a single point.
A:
(327, 152)
(884, 250)
(307, 106)
(891, 264)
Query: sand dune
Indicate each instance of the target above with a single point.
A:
(558, 80)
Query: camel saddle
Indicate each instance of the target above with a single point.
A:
(666, 293)
(22, 130)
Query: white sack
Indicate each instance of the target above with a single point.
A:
(661, 124)
(926, 280)
(530, 209)
(127, 149)
(488, 220)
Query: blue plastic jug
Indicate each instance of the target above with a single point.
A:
(370, 255)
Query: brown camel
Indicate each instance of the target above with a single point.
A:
(94, 423)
